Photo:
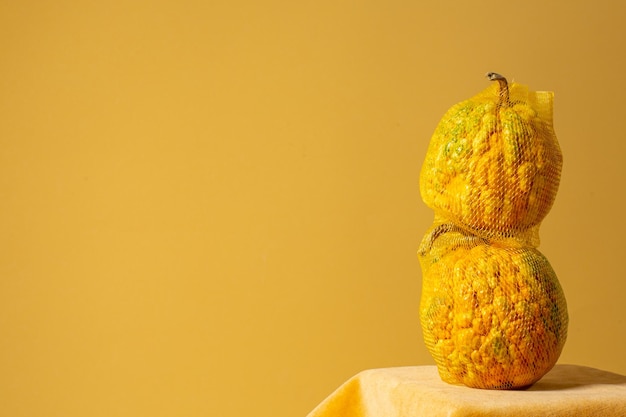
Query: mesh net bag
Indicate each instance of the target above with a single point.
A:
(494, 164)
(492, 311)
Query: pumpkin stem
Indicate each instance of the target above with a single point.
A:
(439, 230)
(504, 87)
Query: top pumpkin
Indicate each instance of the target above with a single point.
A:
(493, 165)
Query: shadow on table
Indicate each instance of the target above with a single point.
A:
(573, 376)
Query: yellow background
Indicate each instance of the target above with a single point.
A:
(210, 208)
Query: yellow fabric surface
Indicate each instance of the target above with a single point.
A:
(417, 391)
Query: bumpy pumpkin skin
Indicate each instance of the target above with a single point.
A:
(493, 317)
(494, 166)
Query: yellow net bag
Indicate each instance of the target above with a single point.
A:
(492, 311)
(494, 164)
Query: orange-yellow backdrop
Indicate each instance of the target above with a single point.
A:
(210, 208)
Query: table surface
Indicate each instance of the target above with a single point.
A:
(417, 391)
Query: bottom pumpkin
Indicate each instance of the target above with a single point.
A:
(493, 316)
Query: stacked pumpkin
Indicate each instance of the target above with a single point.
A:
(492, 310)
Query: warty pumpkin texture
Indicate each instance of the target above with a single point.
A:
(493, 316)
(493, 164)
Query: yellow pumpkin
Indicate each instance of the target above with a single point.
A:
(492, 316)
(493, 163)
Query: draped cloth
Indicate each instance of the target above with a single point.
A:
(417, 391)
